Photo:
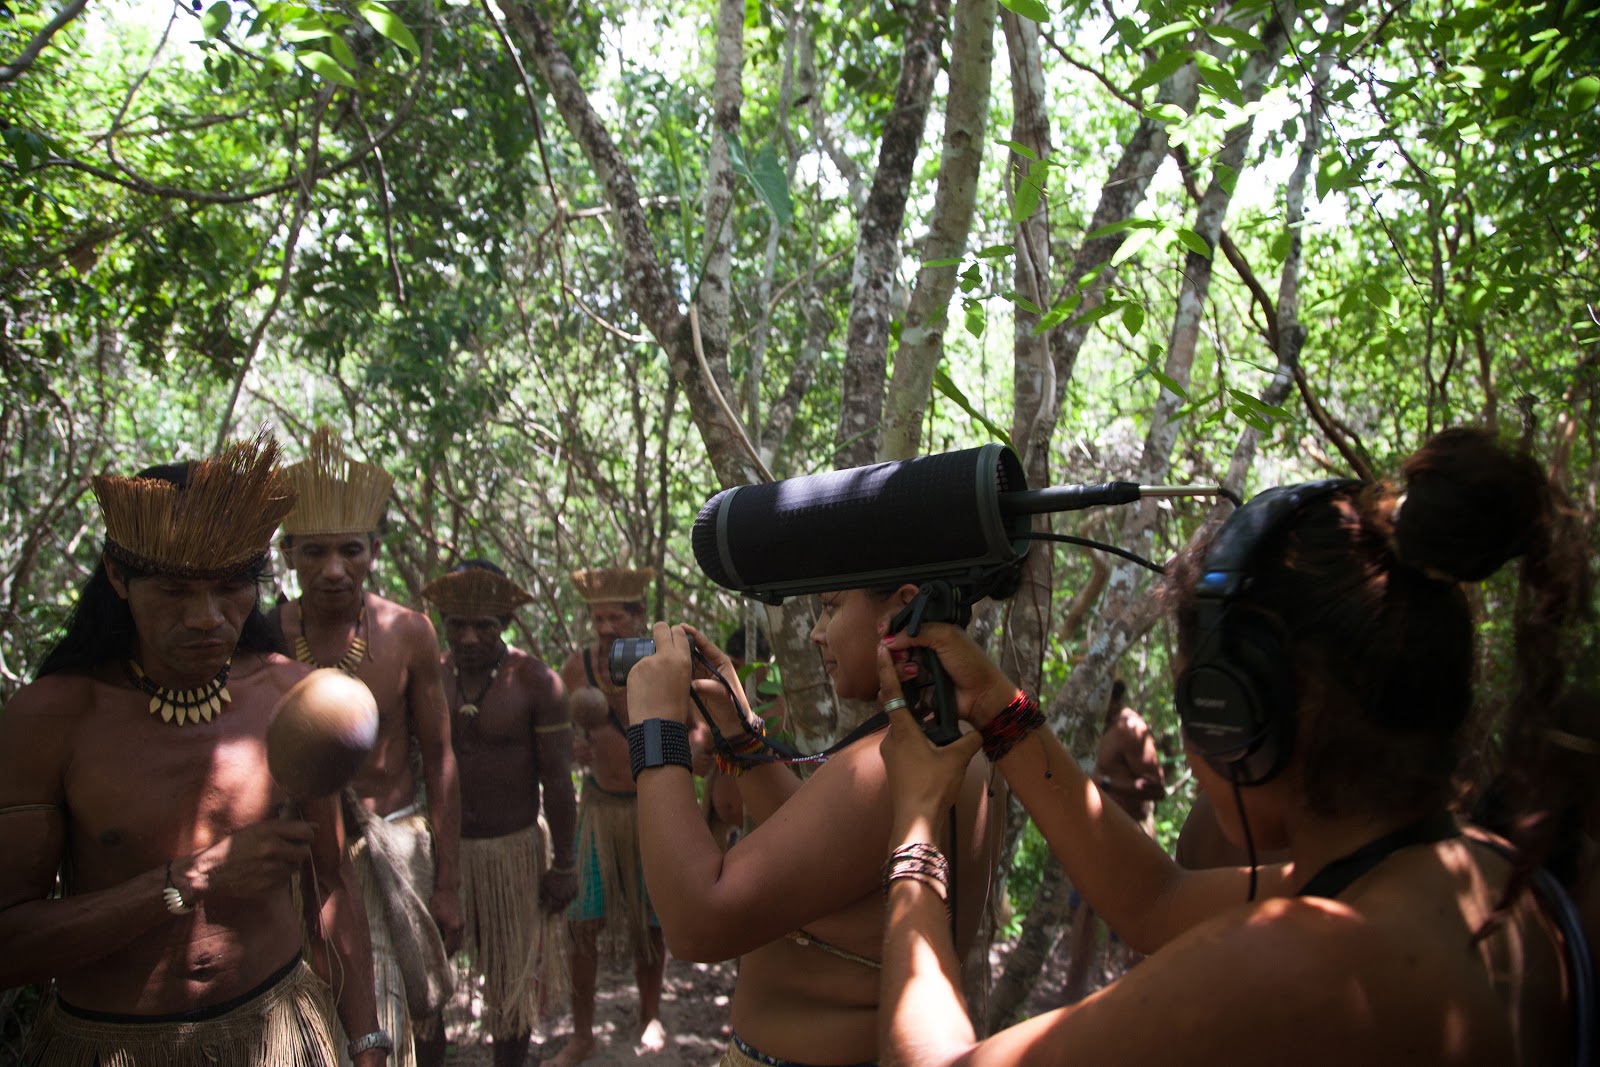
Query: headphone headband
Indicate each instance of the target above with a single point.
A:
(1236, 698)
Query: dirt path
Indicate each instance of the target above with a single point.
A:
(694, 1008)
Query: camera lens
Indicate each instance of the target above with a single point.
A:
(625, 652)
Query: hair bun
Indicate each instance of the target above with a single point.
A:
(1470, 505)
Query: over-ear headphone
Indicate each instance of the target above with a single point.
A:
(1236, 697)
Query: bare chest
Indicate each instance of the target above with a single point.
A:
(141, 791)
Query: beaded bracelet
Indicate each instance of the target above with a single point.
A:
(748, 745)
(657, 743)
(919, 862)
(1015, 721)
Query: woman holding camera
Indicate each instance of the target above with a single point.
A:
(1327, 656)
(798, 900)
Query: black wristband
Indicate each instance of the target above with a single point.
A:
(657, 743)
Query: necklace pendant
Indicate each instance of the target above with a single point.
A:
(469, 710)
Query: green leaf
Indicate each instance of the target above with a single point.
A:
(341, 52)
(325, 65)
(1161, 69)
(1167, 382)
(995, 251)
(767, 177)
(1019, 148)
(1125, 224)
(1279, 249)
(1257, 404)
(1023, 302)
(772, 185)
(1133, 318)
(1236, 37)
(216, 19)
(1027, 200)
(1194, 242)
(1131, 247)
(951, 261)
(1058, 313)
(1170, 114)
(1028, 9)
(280, 63)
(971, 279)
(943, 383)
(974, 316)
(1583, 93)
(1171, 29)
(388, 23)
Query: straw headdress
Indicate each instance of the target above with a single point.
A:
(218, 525)
(474, 592)
(613, 584)
(338, 494)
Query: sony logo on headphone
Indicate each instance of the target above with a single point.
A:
(1214, 703)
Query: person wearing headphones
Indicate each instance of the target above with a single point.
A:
(1327, 652)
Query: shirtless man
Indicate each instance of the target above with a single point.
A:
(331, 541)
(610, 879)
(135, 765)
(513, 742)
(1127, 768)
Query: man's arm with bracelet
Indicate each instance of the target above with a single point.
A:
(552, 740)
(341, 937)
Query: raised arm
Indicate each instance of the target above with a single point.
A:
(1124, 875)
(821, 852)
(430, 716)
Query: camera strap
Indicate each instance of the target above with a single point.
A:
(611, 712)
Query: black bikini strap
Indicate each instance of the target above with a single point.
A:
(611, 713)
(1336, 877)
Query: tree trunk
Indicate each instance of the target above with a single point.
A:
(650, 291)
(872, 280)
(1036, 402)
(922, 334)
(727, 98)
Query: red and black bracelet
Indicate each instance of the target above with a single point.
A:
(748, 745)
(1015, 721)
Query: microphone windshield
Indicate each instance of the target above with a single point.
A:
(913, 520)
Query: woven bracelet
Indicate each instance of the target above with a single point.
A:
(1015, 721)
(919, 862)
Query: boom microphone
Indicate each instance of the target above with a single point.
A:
(960, 517)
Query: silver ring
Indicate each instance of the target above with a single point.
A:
(894, 704)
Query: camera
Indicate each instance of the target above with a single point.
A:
(625, 652)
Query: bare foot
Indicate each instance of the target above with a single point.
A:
(653, 1039)
(575, 1051)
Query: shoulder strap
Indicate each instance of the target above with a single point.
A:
(611, 713)
(1337, 876)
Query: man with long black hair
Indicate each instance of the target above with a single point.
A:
(134, 768)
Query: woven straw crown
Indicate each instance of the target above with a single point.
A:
(474, 592)
(217, 526)
(337, 494)
(613, 584)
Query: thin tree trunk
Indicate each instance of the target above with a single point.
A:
(650, 292)
(922, 334)
(872, 279)
(1036, 403)
(727, 99)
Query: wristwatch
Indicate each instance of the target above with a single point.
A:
(367, 1042)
